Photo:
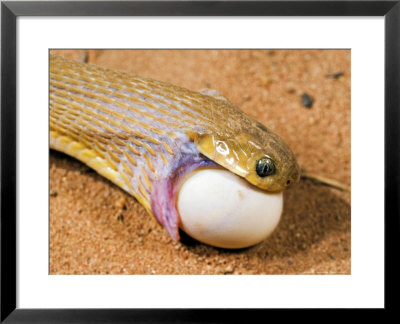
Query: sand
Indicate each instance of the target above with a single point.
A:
(96, 228)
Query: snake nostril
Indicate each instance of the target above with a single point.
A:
(287, 182)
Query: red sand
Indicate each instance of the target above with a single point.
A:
(96, 228)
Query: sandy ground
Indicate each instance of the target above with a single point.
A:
(96, 228)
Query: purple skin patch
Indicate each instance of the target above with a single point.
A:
(164, 195)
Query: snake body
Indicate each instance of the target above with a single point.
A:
(146, 136)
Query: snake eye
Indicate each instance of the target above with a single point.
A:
(265, 167)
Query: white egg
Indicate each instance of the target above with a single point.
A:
(221, 209)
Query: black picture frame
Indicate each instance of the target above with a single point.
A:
(9, 13)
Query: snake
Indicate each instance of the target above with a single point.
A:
(147, 136)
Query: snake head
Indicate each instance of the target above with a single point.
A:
(256, 154)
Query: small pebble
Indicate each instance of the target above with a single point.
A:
(302, 246)
(227, 270)
(246, 97)
(336, 75)
(307, 101)
(120, 217)
(120, 203)
(84, 57)
(291, 90)
(265, 81)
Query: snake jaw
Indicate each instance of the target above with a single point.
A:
(165, 194)
(164, 208)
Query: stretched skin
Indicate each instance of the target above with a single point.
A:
(146, 136)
